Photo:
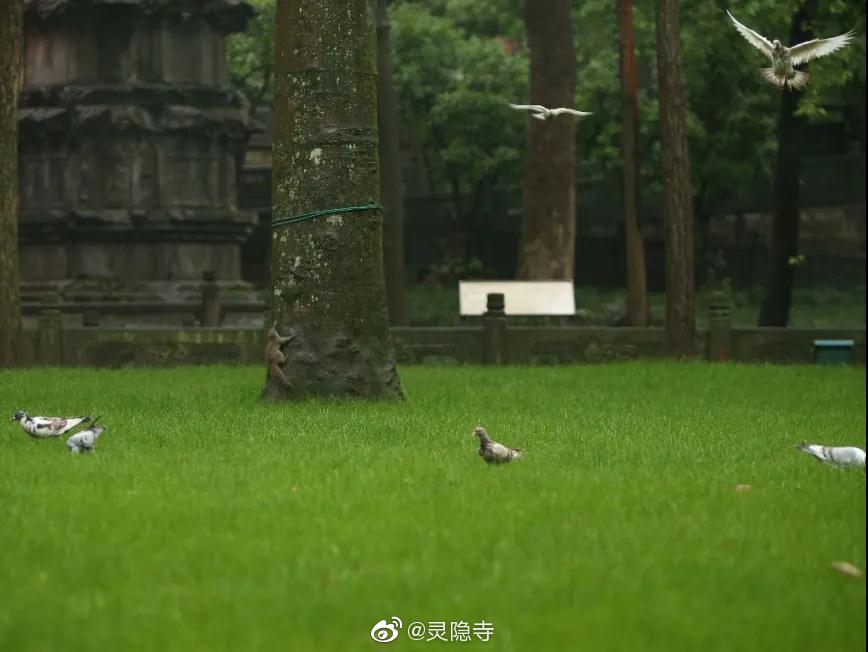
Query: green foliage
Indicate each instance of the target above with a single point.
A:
(206, 520)
(457, 63)
(250, 54)
(454, 88)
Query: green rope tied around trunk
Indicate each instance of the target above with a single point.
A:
(304, 217)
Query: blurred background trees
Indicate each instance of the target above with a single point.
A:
(457, 63)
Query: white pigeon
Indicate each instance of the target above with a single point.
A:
(84, 441)
(492, 452)
(838, 455)
(783, 59)
(43, 427)
(542, 113)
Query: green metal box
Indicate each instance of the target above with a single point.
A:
(833, 352)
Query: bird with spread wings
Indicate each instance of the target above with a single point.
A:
(782, 72)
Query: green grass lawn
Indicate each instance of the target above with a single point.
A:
(208, 521)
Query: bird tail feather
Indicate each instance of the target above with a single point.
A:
(799, 80)
(769, 75)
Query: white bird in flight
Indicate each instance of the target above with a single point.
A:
(542, 113)
(783, 59)
(837, 455)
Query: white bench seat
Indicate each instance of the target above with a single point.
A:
(521, 298)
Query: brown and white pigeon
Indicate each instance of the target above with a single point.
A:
(45, 427)
(492, 452)
(783, 58)
(837, 455)
(84, 441)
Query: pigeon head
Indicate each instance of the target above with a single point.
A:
(480, 432)
(19, 415)
(776, 44)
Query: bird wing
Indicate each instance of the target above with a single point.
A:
(570, 111)
(757, 40)
(529, 107)
(64, 425)
(819, 47)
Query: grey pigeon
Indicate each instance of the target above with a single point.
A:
(492, 452)
(837, 455)
(84, 441)
(44, 427)
(542, 113)
(783, 59)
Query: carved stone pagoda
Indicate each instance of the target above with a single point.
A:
(130, 140)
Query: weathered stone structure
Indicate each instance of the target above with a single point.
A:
(129, 146)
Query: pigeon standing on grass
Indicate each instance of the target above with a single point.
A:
(542, 113)
(783, 59)
(84, 441)
(838, 455)
(44, 427)
(492, 452)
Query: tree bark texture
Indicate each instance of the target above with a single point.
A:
(780, 275)
(328, 288)
(676, 192)
(548, 226)
(638, 309)
(11, 44)
(391, 181)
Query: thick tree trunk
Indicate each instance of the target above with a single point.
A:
(638, 309)
(548, 227)
(778, 290)
(677, 199)
(11, 44)
(328, 290)
(391, 181)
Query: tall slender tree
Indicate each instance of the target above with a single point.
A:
(780, 274)
(677, 197)
(11, 45)
(637, 291)
(548, 226)
(328, 290)
(391, 180)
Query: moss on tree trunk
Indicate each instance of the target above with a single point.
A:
(11, 42)
(677, 197)
(548, 226)
(327, 273)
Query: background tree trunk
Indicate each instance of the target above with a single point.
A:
(328, 288)
(778, 290)
(677, 198)
(548, 226)
(391, 181)
(11, 45)
(638, 309)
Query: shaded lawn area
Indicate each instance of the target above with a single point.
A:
(207, 521)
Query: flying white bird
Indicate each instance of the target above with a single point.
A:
(783, 58)
(542, 113)
(43, 427)
(838, 455)
(84, 441)
(492, 452)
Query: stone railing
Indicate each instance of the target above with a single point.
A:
(492, 340)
